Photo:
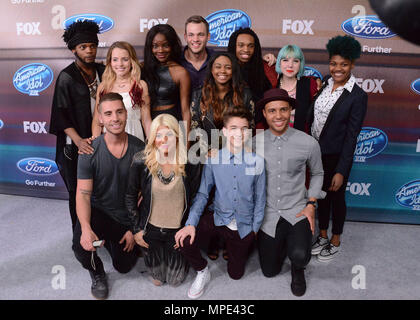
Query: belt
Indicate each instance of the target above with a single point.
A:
(162, 230)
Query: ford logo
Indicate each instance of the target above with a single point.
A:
(312, 72)
(225, 22)
(409, 195)
(369, 27)
(370, 142)
(37, 166)
(105, 23)
(33, 78)
(1, 124)
(415, 86)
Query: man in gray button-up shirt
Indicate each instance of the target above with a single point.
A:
(289, 219)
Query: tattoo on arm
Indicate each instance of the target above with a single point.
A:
(86, 192)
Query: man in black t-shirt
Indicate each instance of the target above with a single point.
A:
(100, 206)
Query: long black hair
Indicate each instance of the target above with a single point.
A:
(253, 71)
(151, 64)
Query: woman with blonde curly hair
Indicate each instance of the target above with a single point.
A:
(122, 75)
(168, 184)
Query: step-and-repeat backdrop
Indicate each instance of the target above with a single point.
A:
(385, 180)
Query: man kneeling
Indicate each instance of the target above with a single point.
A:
(239, 180)
(289, 219)
(101, 185)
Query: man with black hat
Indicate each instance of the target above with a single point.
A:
(289, 219)
(73, 104)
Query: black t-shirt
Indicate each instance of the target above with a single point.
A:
(110, 176)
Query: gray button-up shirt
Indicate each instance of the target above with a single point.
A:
(286, 158)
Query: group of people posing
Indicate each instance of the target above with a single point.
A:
(196, 149)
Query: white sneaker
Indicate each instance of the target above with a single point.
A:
(318, 245)
(197, 288)
(328, 253)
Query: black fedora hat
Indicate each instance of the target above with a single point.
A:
(276, 94)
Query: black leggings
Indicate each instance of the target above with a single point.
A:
(292, 241)
(334, 203)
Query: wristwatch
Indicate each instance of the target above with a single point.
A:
(314, 203)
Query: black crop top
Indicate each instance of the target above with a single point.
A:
(168, 92)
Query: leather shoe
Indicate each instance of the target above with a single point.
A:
(298, 284)
(99, 288)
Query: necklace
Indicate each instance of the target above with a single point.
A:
(92, 84)
(163, 179)
(294, 87)
(122, 151)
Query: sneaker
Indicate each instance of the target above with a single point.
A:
(99, 288)
(197, 288)
(328, 253)
(318, 245)
(298, 284)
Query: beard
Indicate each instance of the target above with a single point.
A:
(87, 64)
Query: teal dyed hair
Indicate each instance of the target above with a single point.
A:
(291, 51)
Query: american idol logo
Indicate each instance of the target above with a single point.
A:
(225, 22)
(105, 23)
(369, 27)
(33, 78)
(37, 166)
(409, 195)
(370, 142)
(312, 72)
(415, 86)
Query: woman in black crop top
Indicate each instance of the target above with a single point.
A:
(168, 82)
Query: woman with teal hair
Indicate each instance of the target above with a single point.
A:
(290, 67)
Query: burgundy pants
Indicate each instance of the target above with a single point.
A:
(236, 247)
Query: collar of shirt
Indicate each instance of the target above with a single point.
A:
(285, 136)
(348, 86)
(209, 54)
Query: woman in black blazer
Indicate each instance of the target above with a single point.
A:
(336, 119)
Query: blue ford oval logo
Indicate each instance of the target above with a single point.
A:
(415, 86)
(37, 166)
(369, 27)
(1, 124)
(370, 142)
(225, 22)
(33, 78)
(309, 71)
(105, 23)
(409, 195)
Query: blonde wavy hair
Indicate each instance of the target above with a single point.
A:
(150, 151)
(109, 77)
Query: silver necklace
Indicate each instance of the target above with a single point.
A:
(163, 179)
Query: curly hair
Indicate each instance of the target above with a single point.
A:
(345, 46)
(210, 98)
(85, 27)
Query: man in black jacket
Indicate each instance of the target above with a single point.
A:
(74, 102)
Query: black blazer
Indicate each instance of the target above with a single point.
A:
(343, 125)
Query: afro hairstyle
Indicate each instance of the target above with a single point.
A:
(85, 26)
(345, 46)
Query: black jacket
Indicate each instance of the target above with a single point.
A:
(71, 108)
(140, 179)
(343, 125)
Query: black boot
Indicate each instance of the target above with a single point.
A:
(298, 284)
(99, 287)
